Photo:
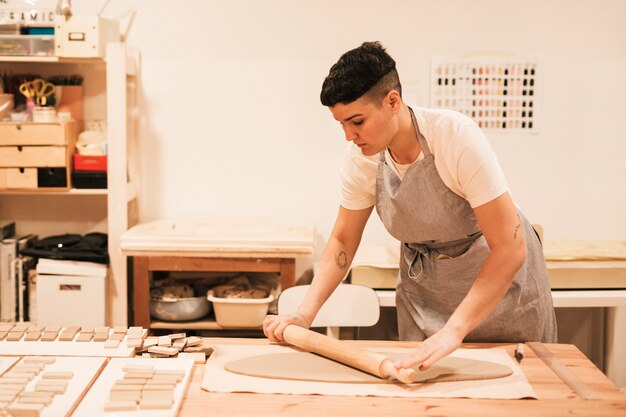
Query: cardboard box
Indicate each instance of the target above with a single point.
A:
(84, 36)
(70, 300)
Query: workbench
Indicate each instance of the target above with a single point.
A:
(555, 398)
(220, 246)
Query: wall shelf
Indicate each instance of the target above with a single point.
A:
(206, 326)
(72, 191)
(51, 59)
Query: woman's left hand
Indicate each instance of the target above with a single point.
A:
(439, 345)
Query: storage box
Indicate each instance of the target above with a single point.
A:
(52, 177)
(95, 163)
(70, 300)
(240, 312)
(84, 36)
(33, 45)
(89, 180)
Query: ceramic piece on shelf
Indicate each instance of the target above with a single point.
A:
(44, 115)
(19, 116)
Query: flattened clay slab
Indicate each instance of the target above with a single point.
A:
(304, 366)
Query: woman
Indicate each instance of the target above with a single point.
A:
(471, 265)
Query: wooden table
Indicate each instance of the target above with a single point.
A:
(555, 398)
(215, 245)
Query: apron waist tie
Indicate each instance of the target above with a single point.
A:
(414, 253)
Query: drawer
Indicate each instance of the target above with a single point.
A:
(21, 178)
(52, 177)
(18, 178)
(33, 156)
(38, 133)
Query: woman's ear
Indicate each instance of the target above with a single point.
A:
(393, 100)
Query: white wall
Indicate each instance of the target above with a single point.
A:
(231, 124)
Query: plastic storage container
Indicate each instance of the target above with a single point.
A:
(240, 312)
(37, 45)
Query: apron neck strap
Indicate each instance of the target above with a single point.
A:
(420, 138)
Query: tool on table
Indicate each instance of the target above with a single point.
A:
(519, 352)
(563, 372)
(370, 362)
(38, 90)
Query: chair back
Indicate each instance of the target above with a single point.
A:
(348, 306)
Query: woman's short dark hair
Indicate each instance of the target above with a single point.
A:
(367, 69)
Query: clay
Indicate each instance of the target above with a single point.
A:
(304, 366)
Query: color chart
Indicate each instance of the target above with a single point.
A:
(498, 93)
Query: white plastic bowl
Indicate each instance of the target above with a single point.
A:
(240, 312)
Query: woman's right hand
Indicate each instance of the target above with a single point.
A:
(274, 326)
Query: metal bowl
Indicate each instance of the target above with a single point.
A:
(179, 309)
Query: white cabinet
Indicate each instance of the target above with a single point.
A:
(110, 94)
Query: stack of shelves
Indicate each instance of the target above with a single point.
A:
(37, 210)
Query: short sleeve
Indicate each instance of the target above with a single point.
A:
(479, 174)
(358, 179)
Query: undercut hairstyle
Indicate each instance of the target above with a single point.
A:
(367, 71)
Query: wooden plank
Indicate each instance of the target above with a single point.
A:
(141, 292)
(184, 263)
(287, 273)
(120, 129)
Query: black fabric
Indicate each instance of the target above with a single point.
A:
(92, 247)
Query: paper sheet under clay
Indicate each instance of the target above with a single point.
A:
(218, 379)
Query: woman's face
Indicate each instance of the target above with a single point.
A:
(370, 127)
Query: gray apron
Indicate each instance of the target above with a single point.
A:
(443, 251)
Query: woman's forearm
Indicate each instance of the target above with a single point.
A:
(333, 267)
(488, 289)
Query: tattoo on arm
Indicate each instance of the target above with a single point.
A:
(516, 230)
(341, 259)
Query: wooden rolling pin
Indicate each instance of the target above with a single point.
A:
(370, 362)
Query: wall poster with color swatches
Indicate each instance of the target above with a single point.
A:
(498, 93)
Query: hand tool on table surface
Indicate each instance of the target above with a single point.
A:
(562, 371)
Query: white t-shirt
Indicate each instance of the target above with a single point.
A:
(463, 157)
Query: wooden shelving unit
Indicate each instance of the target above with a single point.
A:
(120, 65)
